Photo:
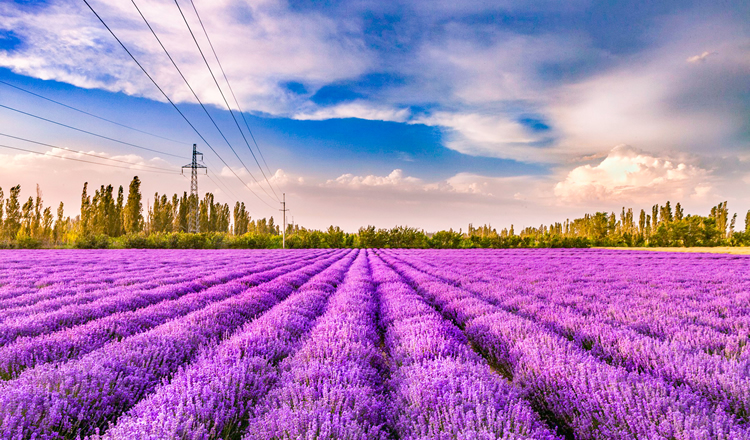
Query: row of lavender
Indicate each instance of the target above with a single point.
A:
(371, 345)
(577, 355)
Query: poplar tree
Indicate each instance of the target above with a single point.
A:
(46, 230)
(28, 216)
(133, 208)
(85, 210)
(204, 224)
(108, 211)
(36, 225)
(2, 204)
(12, 223)
(184, 210)
(678, 212)
(58, 230)
(175, 226)
(119, 208)
(241, 219)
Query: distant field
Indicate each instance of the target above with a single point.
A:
(381, 344)
(710, 250)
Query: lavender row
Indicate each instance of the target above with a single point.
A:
(78, 269)
(211, 398)
(63, 296)
(440, 388)
(74, 342)
(123, 299)
(590, 398)
(332, 387)
(80, 397)
(721, 380)
(666, 300)
(59, 294)
(90, 269)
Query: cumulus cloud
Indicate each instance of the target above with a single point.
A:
(467, 184)
(395, 179)
(700, 58)
(631, 175)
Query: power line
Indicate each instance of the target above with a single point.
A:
(87, 113)
(79, 160)
(222, 92)
(89, 132)
(199, 102)
(234, 198)
(83, 152)
(230, 87)
(169, 100)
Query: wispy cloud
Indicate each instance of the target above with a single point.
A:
(262, 45)
(700, 58)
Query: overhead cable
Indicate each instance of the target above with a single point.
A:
(84, 153)
(89, 132)
(222, 94)
(82, 160)
(87, 113)
(169, 99)
(230, 87)
(201, 103)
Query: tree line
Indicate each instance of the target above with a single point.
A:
(118, 220)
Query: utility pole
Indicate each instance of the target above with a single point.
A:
(283, 228)
(194, 166)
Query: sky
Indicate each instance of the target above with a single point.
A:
(432, 114)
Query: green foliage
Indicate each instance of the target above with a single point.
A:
(100, 241)
(132, 215)
(108, 221)
(448, 240)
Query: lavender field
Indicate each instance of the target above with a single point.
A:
(374, 344)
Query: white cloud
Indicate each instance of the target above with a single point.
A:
(503, 68)
(395, 179)
(488, 135)
(651, 99)
(700, 58)
(261, 44)
(633, 176)
(361, 110)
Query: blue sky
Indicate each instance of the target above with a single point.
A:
(433, 114)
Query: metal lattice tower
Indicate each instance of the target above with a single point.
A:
(193, 226)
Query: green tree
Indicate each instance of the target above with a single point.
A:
(272, 227)
(446, 240)
(119, 228)
(27, 217)
(85, 210)
(12, 223)
(133, 218)
(335, 237)
(241, 219)
(58, 231)
(46, 230)
(678, 213)
(184, 212)
(36, 223)
(2, 204)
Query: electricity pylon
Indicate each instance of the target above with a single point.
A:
(193, 226)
